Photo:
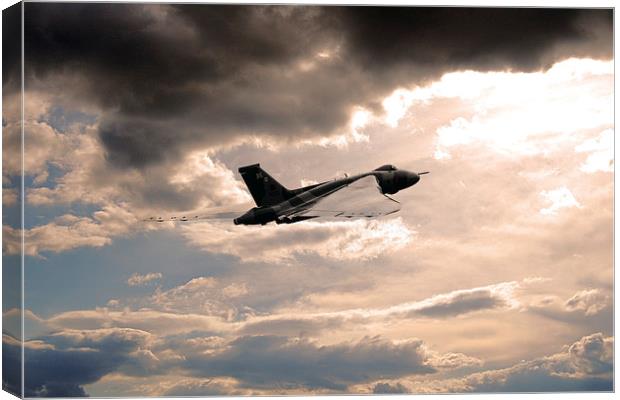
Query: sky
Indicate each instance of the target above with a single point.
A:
(495, 276)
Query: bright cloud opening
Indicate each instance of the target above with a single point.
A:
(601, 153)
(518, 113)
(559, 198)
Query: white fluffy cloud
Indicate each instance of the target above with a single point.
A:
(204, 295)
(9, 196)
(199, 168)
(69, 231)
(589, 301)
(348, 240)
(139, 280)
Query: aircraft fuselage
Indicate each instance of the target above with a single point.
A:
(389, 179)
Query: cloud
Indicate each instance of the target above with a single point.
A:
(205, 295)
(586, 365)
(62, 363)
(590, 356)
(204, 304)
(86, 177)
(12, 55)
(452, 360)
(9, 196)
(559, 198)
(199, 167)
(347, 240)
(156, 322)
(95, 156)
(386, 388)
(468, 300)
(148, 144)
(462, 302)
(59, 365)
(459, 302)
(589, 301)
(113, 303)
(11, 356)
(583, 310)
(235, 290)
(46, 147)
(171, 383)
(333, 60)
(203, 387)
(33, 324)
(601, 152)
(68, 165)
(518, 114)
(69, 231)
(139, 280)
(259, 361)
(266, 353)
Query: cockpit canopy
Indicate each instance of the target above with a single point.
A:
(386, 167)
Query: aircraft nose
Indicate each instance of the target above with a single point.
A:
(412, 178)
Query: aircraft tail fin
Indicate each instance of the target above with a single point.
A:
(265, 190)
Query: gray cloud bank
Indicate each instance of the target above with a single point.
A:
(60, 364)
(585, 365)
(168, 78)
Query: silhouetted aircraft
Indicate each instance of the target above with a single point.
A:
(358, 196)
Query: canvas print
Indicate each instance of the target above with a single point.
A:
(205, 199)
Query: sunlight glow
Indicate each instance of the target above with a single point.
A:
(601, 149)
(518, 113)
(559, 198)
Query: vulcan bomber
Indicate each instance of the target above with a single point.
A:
(363, 195)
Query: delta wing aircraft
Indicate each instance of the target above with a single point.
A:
(347, 197)
(363, 195)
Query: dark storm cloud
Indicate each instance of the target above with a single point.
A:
(170, 78)
(478, 38)
(59, 365)
(11, 48)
